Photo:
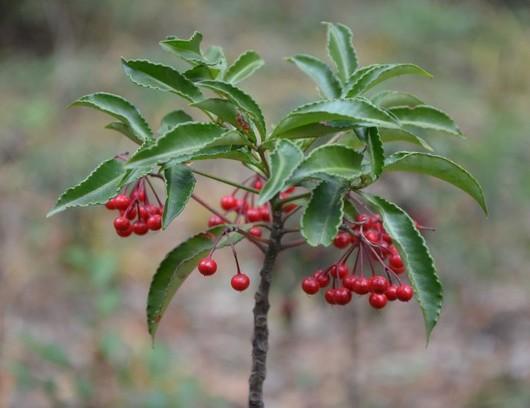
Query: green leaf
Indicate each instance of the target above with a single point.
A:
(187, 49)
(323, 214)
(340, 49)
(175, 268)
(179, 186)
(439, 167)
(381, 73)
(243, 67)
(401, 135)
(240, 98)
(121, 109)
(358, 112)
(391, 99)
(125, 130)
(161, 77)
(415, 254)
(283, 162)
(376, 152)
(333, 160)
(350, 212)
(217, 152)
(223, 109)
(199, 72)
(426, 117)
(183, 139)
(319, 72)
(173, 119)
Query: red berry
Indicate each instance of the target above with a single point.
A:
(215, 220)
(342, 240)
(354, 240)
(322, 278)
(143, 212)
(265, 213)
(121, 202)
(111, 204)
(349, 282)
(373, 236)
(258, 184)
(140, 228)
(377, 301)
(362, 218)
(126, 232)
(131, 213)
(404, 292)
(342, 296)
(310, 285)
(378, 284)
(253, 215)
(121, 223)
(386, 237)
(391, 292)
(240, 282)
(140, 195)
(361, 286)
(341, 270)
(207, 266)
(242, 206)
(374, 221)
(154, 222)
(395, 262)
(255, 232)
(330, 296)
(228, 202)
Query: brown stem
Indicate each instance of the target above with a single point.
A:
(260, 341)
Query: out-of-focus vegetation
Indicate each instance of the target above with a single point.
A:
(72, 294)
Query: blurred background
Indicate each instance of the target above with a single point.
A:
(72, 294)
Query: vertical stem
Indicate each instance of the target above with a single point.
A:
(260, 341)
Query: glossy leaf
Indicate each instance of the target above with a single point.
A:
(179, 186)
(392, 99)
(375, 151)
(319, 72)
(175, 268)
(323, 214)
(243, 67)
(340, 49)
(358, 112)
(187, 49)
(439, 167)
(222, 108)
(350, 212)
(426, 117)
(161, 77)
(416, 257)
(229, 152)
(183, 139)
(199, 72)
(172, 119)
(125, 130)
(121, 109)
(283, 162)
(401, 135)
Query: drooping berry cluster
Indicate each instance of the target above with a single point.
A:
(376, 266)
(136, 213)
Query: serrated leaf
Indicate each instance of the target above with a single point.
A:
(283, 162)
(391, 99)
(175, 268)
(199, 72)
(125, 130)
(161, 77)
(323, 214)
(401, 135)
(380, 73)
(416, 257)
(187, 49)
(376, 152)
(121, 109)
(183, 139)
(358, 112)
(173, 119)
(426, 117)
(331, 160)
(340, 49)
(217, 152)
(319, 72)
(240, 98)
(439, 167)
(222, 108)
(179, 186)
(350, 212)
(243, 67)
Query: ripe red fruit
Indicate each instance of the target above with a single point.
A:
(349, 282)
(342, 240)
(265, 213)
(310, 285)
(330, 296)
(258, 184)
(395, 262)
(255, 232)
(361, 218)
(215, 220)
(140, 228)
(140, 195)
(242, 206)
(342, 296)
(404, 292)
(377, 301)
(121, 201)
(373, 236)
(126, 232)
(131, 213)
(386, 237)
(143, 212)
(111, 204)
(240, 282)
(121, 223)
(228, 202)
(378, 284)
(322, 279)
(253, 215)
(361, 286)
(154, 222)
(340, 270)
(207, 266)
(391, 292)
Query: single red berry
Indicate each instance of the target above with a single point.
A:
(240, 282)
(265, 213)
(258, 184)
(111, 204)
(377, 301)
(354, 240)
(228, 202)
(154, 222)
(131, 213)
(342, 296)
(386, 237)
(391, 292)
(140, 228)
(242, 206)
(361, 218)
(253, 215)
(378, 284)
(159, 209)
(395, 262)
(404, 292)
(342, 240)
(121, 223)
(140, 195)
(373, 236)
(310, 285)
(122, 202)
(330, 296)
(255, 232)
(207, 266)
(126, 232)
(340, 270)
(215, 220)
(143, 212)
(289, 190)
(361, 286)
(322, 278)
(393, 250)
(349, 282)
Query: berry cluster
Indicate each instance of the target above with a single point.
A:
(137, 214)
(373, 248)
